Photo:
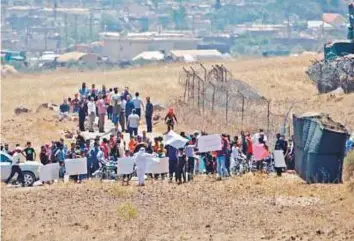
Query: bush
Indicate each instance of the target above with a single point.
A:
(127, 211)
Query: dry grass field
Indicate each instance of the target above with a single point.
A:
(242, 208)
(247, 208)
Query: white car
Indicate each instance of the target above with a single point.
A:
(30, 169)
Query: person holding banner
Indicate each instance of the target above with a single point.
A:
(140, 160)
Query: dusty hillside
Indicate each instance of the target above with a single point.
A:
(247, 208)
(280, 79)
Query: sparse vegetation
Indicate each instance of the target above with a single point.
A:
(127, 211)
(349, 170)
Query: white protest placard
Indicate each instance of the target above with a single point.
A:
(49, 172)
(279, 160)
(209, 143)
(175, 140)
(125, 165)
(76, 166)
(157, 165)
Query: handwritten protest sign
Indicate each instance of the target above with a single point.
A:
(49, 172)
(259, 152)
(279, 160)
(125, 165)
(76, 166)
(157, 165)
(209, 143)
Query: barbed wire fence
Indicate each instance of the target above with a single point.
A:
(214, 100)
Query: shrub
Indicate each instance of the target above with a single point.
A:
(127, 211)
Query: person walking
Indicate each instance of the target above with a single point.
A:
(170, 119)
(83, 111)
(15, 167)
(138, 104)
(102, 110)
(133, 123)
(149, 110)
(91, 109)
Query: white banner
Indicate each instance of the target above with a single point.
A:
(125, 165)
(209, 143)
(75, 166)
(49, 172)
(279, 160)
(157, 165)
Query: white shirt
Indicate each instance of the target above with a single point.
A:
(91, 107)
(137, 102)
(234, 152)
(100, 155)
(16, 159)
(133, 120)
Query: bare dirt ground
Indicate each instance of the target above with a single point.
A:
(247, 208)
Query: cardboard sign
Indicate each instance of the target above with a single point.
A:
(49, 172)
(209, 143)
(156, 165)
(125, 165)
(76, 166)
(279, 160)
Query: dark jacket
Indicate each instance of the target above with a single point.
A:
(149, 110)
(129, 106)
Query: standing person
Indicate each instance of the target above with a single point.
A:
(122, 113)
(126, 93)
(249, 147)
(149, 110)
(93, 92)
(64, 110)
(92, 160)
(259, 135)
(138, 104)
(43, 157)
(133, 123)
(181, 163)
(140, 159)
(102, 110)
(235, 152)
(189, 150)
(103, 91)
(15, 167)
(170, 119)
(29, 153)
(76, 103)
(220, 159)
(129, 107)
(116, 106)
(244, 143)
(172, 154)
(91, 110)
(84, 91)
(280, 145)
(83, 111)
(110, 105)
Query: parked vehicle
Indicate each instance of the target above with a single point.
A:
(30, 169)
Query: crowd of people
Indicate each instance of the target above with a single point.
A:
(122, 108)
(125, 112)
